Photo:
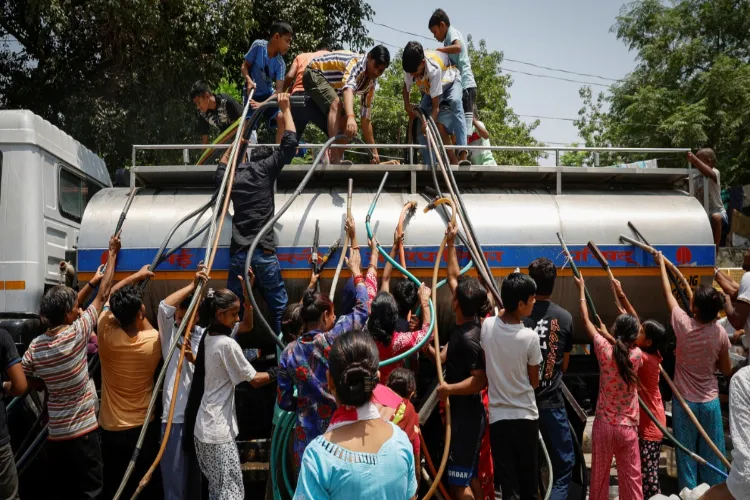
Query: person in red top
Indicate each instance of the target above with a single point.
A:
(381, 325)
(399, 410)
(615, 427)
(651, 340)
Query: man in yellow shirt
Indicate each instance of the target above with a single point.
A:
(130, 351)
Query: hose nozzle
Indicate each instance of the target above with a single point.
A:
(411, 207)
(431, 205)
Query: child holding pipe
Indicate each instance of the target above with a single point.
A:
(650, 341)
(615, 432)
(210, 415)
(465, 378)
(702, 345)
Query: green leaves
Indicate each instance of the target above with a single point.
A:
(113, 74)
(691, 87)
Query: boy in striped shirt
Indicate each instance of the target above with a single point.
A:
(58, 358)
(343, 74)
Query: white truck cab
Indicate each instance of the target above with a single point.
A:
(46, 180)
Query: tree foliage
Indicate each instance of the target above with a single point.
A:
(113, 74)
(691, 86)
(493, 92)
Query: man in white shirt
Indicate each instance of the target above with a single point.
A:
(737, 303)
(512, 358)
(737, 485)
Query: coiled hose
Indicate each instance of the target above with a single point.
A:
(592, 312)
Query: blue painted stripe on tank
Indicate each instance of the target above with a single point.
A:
(290, 258)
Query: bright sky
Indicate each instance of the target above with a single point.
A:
(572, 35)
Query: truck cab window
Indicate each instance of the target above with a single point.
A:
(75, 193)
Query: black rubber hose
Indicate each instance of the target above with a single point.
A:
(33, 450)
(269, 226)
(29, 434)
(580, 459)
(470, 227)
(184, 242)
(158, 257)
(480, 260)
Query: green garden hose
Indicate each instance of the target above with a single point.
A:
(406, 273)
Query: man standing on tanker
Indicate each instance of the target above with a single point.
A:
(253, 201)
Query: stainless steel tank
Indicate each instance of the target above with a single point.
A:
(514, 227)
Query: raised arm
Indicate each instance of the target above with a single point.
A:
(175, 299)
(627, 307)
(453, 269)
(727, 284)
(136, 277)
(704, 169)
(89, 287)
(385, 284)
(666, 288)
(588, 326)
(481, 130)
(454, 48)
(288, 147)
(105, 286)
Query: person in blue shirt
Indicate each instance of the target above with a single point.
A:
(360, 455)
(263, 68)
(457, 50)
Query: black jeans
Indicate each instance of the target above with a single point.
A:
(77, 466)
(8, 474)
(117, 448)
(515, 453)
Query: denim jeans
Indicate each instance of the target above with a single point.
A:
(553, 423)
(267, 277)
(453, 116)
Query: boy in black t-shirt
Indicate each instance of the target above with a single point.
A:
(14, 384)
(554, 325)
(219, 110)
(464, 379)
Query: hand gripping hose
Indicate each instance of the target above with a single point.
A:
(269, 226)
(592, 312)
(409, 208)
(222, 199)
(473, 242)
(342, 257)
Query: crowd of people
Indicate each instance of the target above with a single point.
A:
(356, 431)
